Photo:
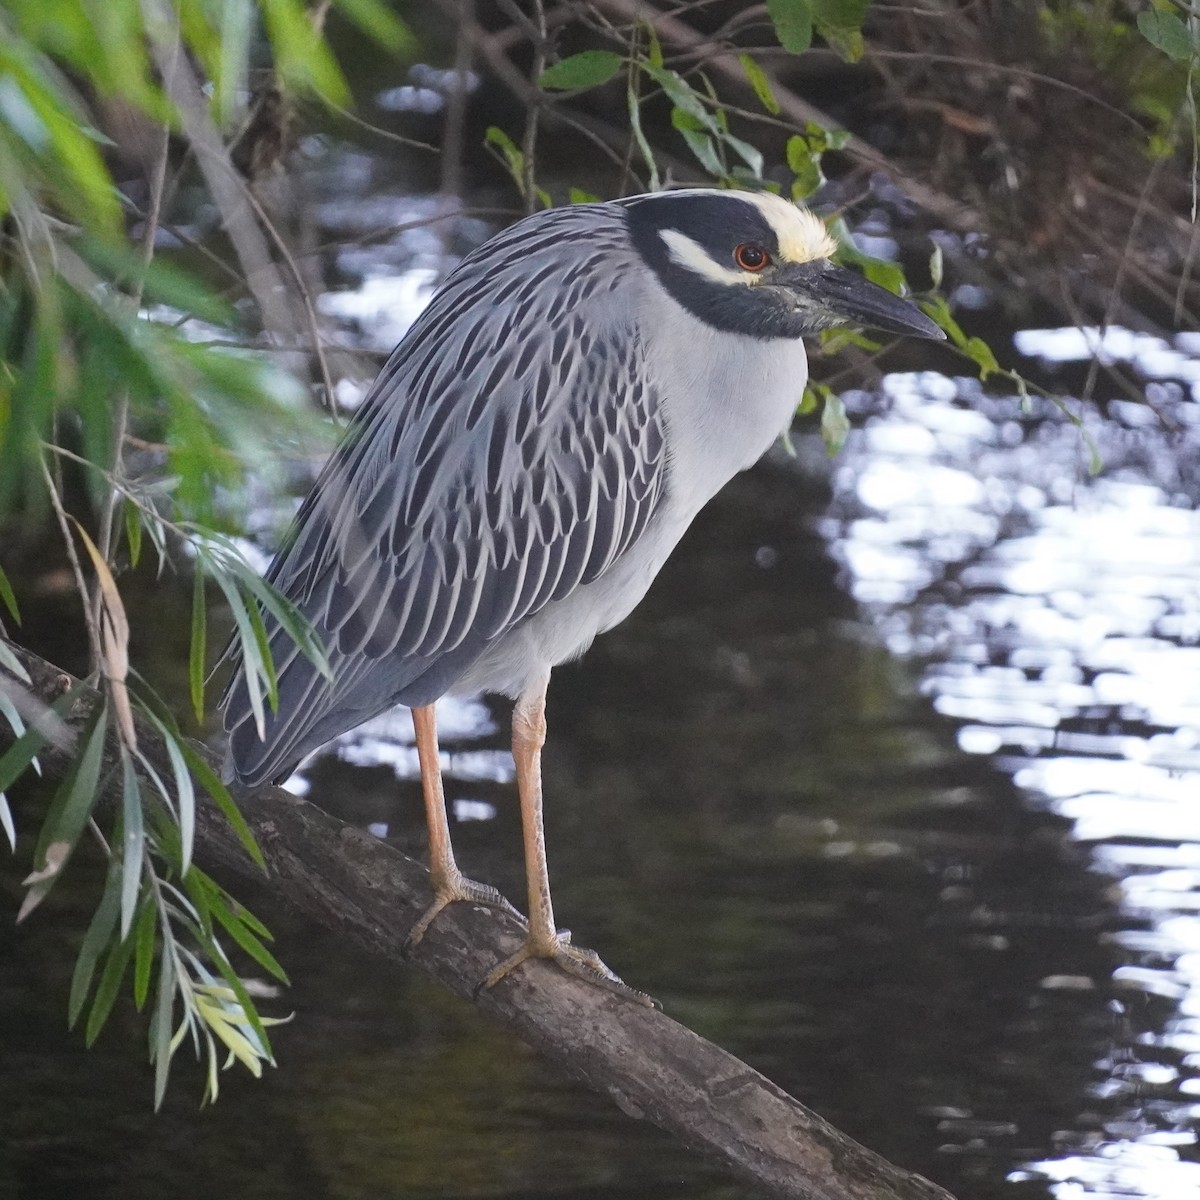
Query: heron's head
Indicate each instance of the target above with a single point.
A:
(755, 264)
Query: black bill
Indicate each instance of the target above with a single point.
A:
(848, 297)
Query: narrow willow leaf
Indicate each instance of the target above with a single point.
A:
(98, 937)
(70, 809)
(208, 780)
(243, 1000)
(106, 990)
(160, 1029)
(9, 597)
(68, 814)
(760, 83)
(587, 69)
(6, 822)
(143, 959)
(793, 21)
(264, 655)
(19, 755)
(133, 842)
(216, 1018)
(133, 534)
(378, 22)
(199, 648)
(185, 789)
(252, 664)
(236, 928)
(10, 662)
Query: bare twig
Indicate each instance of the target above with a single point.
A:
(529, 142)
(226, 186)
(456, 103)
(95, 647)
(724, 61)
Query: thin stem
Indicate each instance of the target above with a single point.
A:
(89, 616)
(529, 143)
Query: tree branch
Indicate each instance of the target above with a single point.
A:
(654, 1068)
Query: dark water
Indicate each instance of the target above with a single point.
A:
(889, 787)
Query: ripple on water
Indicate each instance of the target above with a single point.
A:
(1057, 617)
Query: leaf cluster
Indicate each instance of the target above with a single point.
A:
(102, 373)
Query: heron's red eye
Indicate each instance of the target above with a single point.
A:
(751, 257)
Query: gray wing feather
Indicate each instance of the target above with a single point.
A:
(510, 451)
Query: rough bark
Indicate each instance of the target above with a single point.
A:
(654, 1068)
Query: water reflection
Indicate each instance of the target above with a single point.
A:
(1055, 619)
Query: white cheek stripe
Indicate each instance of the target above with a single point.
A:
(690, 254)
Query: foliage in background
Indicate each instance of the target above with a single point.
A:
(158, 431)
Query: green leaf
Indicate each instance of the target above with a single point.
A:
(510, 153)
(6, 822)
(208, 780)
(98, 936)
(843, 14)
(10, 662)
(590, 68)
(1167, 32)
(805, 165)
(160, 1028)
(9, 597)
(378, 22)
(793, 21)
(579, 196)
(760, 83)
(936, 265)
(106, 990)
(67, 816)
(839, 22)
(847, 44)
(981, 354)
(834, 423)
(749, 154)
(198, 652)
(938, 309)
(245, 1003)
(143, 961)
(133, 842)
(888, 275)
(302, 55)
(237, 929)
(701, 146)
(133, 534)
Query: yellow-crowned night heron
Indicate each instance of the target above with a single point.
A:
(576, 391)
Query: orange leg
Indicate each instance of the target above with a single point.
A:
(544, 941)
(448, 881)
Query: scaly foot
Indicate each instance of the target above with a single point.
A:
(575, 960)
(449, 889)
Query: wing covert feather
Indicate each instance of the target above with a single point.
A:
(509, 452)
